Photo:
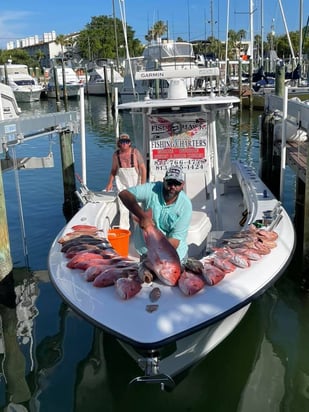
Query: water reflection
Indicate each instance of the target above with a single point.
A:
(16, 325)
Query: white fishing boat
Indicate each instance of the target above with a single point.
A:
(8, 106)
(228, 199)
(96, 80)
(25, 87)
(58, 76)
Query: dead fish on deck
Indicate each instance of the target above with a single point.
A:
(77, 234)
(85, 228)
(85, 264)
(224, 264)
(190, 283)
(267, 234)
(251, 254)
(82, 240)
(162, 257)
(109, 276)
(126, 288)
(239, 259)
(212, 274)
(73, 250)
(94, 271)
(82, 257)
(194, 265)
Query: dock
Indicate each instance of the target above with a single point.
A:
(295, 149)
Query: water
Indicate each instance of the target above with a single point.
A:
(53, 360)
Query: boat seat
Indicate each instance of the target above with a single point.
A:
(200, 226)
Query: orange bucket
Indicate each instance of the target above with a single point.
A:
(119, 239)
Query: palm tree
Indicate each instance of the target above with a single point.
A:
(156, 31)
(39, 55)
(62, 40)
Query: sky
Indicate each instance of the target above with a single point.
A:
(189, 19)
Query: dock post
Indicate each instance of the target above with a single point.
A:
(71, 203)
(240, 77)
(6, 264)
(305, 261)
(64, 83)
(55, 74)
(266, 147)
(107, 91)
(280, 78)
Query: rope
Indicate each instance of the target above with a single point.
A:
(20, 209)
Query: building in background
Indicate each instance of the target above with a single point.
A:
(46, 46)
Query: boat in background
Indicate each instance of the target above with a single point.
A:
(62, 74)
(8, 105)
(95, 84)
(240, 238)
(25, 87)
(256, 98)
(162, 55)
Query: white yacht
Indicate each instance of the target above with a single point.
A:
(96, 85)
(59, 75)
(159, 55)
(25, 87)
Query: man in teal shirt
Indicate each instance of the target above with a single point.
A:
(171, 210)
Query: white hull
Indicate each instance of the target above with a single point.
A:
(257, 99)
(72, 91)
(98, 89)
(95, 84)
(8, 105)
(191, 349)
(67, 76)
(28, 95)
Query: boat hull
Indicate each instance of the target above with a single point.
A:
(188, 350)
(257, 100)
(71, 90)
(28, 95)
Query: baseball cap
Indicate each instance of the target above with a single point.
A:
(124, 136)
(175, 173)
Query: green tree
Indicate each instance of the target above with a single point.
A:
(97, 40)
(39, 55)
(63, 41)
(18, 56)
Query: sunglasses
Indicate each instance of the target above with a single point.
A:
(172, 182)
(124, 141)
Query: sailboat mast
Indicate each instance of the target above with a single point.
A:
(251, 27)
(262, 33)
(286, 30)
(300, 31)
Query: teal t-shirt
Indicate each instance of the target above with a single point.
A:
(173, 220)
